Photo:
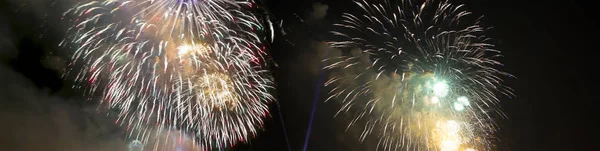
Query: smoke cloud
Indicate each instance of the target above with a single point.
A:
(33, 119)
(319, 11)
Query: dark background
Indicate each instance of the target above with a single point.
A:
(549, 46)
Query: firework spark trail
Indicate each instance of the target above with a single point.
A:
(418, 74)
(195, 66)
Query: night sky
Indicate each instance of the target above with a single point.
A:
(549, 46)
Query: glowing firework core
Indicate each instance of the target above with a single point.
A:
(195, 49)
(463, 100)
(218, 88)
(461, 103)
(458, 106)
(440, 89)
(435, 100)
(447, 135)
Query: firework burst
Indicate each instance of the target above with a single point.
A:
(418, 74)
(194, 66)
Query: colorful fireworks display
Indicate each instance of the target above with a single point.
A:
(414, 74)
(189, 65)
(418, 75)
